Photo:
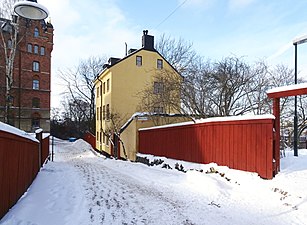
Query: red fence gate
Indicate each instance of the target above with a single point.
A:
(240, 143)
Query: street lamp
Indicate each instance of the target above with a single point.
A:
(297, 41)
(30, 9)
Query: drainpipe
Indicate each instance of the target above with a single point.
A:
(98, 112)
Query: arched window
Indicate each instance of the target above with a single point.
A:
(29, 48)
(35, 120)
(35, 66)
(35, 83)
(42, 50)
(36, 32)
(35, 49)
(35, 103)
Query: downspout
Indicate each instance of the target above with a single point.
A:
(98, 112)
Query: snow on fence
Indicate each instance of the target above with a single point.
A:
(19, 164)
(243, 143)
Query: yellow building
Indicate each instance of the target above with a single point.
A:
(119, 87)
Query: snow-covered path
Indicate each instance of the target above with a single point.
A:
(80, 187)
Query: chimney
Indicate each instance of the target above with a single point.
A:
(147, 41)
(113, 60)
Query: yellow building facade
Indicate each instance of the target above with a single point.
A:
(118, 89)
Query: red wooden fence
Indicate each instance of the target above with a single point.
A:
(239, 144)
(18, 168)
(90, 138)
(19, 165)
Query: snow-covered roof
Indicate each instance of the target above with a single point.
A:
(216, 119)
(289, 90)
(13, 130)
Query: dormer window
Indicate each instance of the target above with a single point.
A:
(139, 60)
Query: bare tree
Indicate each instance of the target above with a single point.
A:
(178, 52)
(79, 85)
(6, 7)
(9, 41)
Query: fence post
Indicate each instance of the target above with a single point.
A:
(52, 144)
(39, 137)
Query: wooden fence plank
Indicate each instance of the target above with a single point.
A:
(240, 144)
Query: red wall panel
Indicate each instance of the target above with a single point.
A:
(242, 144)
(18, 168)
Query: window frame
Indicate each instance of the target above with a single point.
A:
(36, 104)
(36, 32)
(42, 51)
(35, 83)
(29, 48)
(158, 87)
(159, 64)
(139, 60)
(35, 66)
(35, 49)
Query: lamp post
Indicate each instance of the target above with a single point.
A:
(30, 9)
(296, 42)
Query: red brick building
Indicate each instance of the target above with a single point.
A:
(28, 105)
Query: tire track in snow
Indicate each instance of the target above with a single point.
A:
(116, 199)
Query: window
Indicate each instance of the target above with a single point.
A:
(100, 134)
(139, 60)
(97, 92)
(97, 113)
(104, 113)
(29, 48)
(36, 32)
(35, 49)
(108, 85)
(35, 122)
(100, 113)
(42, 51)
(104, 87)
(36, 103)
(35, 84)
(9, 43)
(108, 112)
(159, 63)
(101, 90)
(158, 87)
(35, 66)
(104, 138)
(97, 135)
(158, 109)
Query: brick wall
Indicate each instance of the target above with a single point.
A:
(22, 89)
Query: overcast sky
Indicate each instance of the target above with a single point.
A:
(255, 29)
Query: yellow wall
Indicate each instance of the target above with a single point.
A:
(130, 135)
(127, 80)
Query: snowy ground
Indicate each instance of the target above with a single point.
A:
(80, 187)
